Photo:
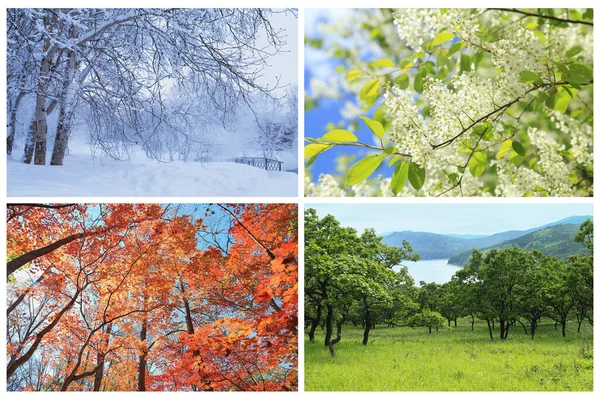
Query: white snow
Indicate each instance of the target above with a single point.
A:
(83, 176)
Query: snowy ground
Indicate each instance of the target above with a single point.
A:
(84, 176)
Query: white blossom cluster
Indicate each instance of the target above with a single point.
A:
(327, 186)
(442, 140)
(473, 97)
(418, 26)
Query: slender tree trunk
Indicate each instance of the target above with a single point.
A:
(69, 93)
(563, 322)
(189, 323)
(472, 323)
(314, 325)
(501, 329)
(30, 142)
(12, 126)
(328, 325)
(455, 323)
(337, 339)
(141, 383)
(100, 361)
(490, 329)
(368, 325)
(36, 140)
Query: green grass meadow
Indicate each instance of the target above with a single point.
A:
(455, 359)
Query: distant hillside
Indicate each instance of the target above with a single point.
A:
(432, 246)
(464, 236)
(556, 240)
(429, 246)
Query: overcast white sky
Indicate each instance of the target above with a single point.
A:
(482, 219)
(285, 64)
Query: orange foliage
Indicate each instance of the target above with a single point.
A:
(151, 297)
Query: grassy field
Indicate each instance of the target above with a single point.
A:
(406, 359)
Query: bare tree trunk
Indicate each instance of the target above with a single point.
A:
(36, 141)
(100, 361)
(30, 143)
(368, 326)
(68, 97)
(10, 139)
(142, 360)
(190, 329)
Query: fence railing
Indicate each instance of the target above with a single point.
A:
(260, 162)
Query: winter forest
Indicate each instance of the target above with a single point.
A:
(150, 297)
(148, 102)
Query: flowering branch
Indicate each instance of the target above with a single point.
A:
(530, 14)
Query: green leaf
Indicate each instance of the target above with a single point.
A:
(340, 136)
(311, 160)
(402, 81)
(573, 51)
(375, 126)
(518, 147)
(313, 149)
(311, 140)
(456, 47)
(406, 64)
(477, 57)
(416, 175)
(371, 89)
(516, 160)
(528, 76)
(442, 38)
(399, 177)
(363, 169)
(389, 150)
(581, 70)
(384, 62)
(563, 99)
(379, 114)
(551, 101)
(442, 60)
(419, 83)
(394, 160)
(354, 74)
(465, 63)
(588, 14)
(478, 163)
(480, 129)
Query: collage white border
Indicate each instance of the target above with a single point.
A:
(300, 200)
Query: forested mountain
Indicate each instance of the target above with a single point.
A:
(458, 247)
(556, 240)
(429, 246)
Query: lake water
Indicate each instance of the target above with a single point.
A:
(437, 271)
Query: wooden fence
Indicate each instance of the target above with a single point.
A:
(260, 162)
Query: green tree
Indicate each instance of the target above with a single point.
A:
(427, 318)
(583, 275)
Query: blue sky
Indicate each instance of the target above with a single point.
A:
(318, 64)
(470, 218)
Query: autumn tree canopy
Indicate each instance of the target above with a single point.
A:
(152, 297)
